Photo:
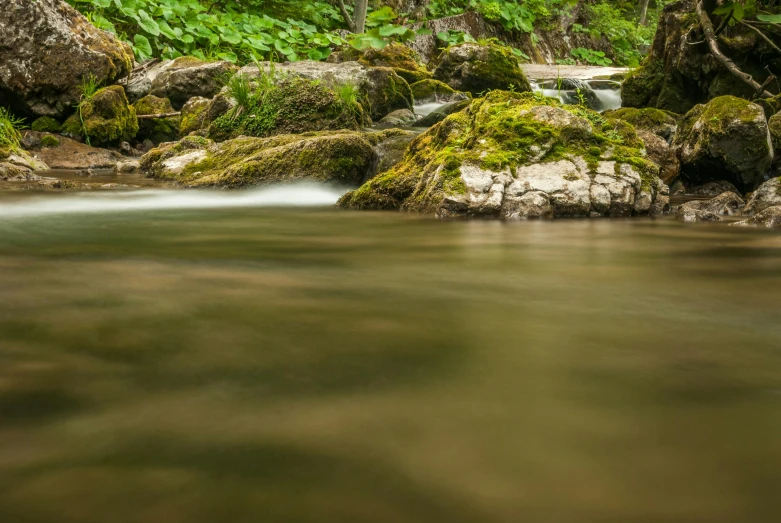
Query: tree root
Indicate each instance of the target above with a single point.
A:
(710, 37)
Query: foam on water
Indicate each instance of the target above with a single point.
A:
(304, 195)
(426, 109)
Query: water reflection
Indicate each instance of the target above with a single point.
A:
(312, 365)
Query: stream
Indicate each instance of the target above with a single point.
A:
(213, 356)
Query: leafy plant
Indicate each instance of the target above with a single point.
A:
(10, 137)
(591, 56)
(240, 90)
(451, 37)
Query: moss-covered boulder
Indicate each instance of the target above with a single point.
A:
(515, 155)
(477, 68)
(679, 73)
(290, 105)
(340, 157)
(49, 140)
(725, 139)
(105, 118)
(656, 121)
(193, 115)
(46, 124)
(186, 76)
(156, 129)
(398, 118)
(434, 91)
(379, 89)
(47, 48)
(403, 60)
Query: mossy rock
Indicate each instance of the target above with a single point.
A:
(726, 139)
(340, 157)
(388, 93)
(156, 129)
(517, 155)
(49, 140)
(656, 121)
(107, 118)
(774, 126)
(46, 124)
(193, 115)
(292, 105)
(188, 76)
(641, 86)
(770, 105)
(429, 91)
(480, 67)
(403, 60)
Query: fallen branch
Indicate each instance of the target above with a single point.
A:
(764, 37)
(153, 116)
(710, 37)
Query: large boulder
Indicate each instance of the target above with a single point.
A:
(379, 89)
(340, 157)
(725, 139)
(104, 118)
(156, 129)
(181, 79)
(477, 68)
(70, 154)
(725, 204)
(291, 105)
(513, 156)
(403, 60)
(680, 72)
(47, 49)
(19, 165)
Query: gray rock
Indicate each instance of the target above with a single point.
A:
(398, 118)
(770, 217)
(767, 195)
(713, 189)
(46, 49)
(687, 214)
(390, 151)
(660, 152)
(193, 116)
(186, 77)
(727, 203)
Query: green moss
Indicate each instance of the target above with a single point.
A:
(5, 152)
(642, 86)
(156, 129)
(107, 118)
(49, 141)
(770, 105)
(293, 105)
(46, 124)
(478, 68)
(193, 115)
(430, 89)
(646, 118)
(342, 157)
(151, 161)
(403, 60)
(502, 131)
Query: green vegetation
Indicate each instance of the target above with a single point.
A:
(279, 105)
(46, 124)
(49, 140)
(104, 117)
(10, 136)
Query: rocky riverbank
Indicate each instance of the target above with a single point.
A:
(489, 144)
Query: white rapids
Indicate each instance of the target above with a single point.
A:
(300, 195)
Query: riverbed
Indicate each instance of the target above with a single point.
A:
(261, 356)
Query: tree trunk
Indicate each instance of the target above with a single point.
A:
(360, 15)
(644, 12)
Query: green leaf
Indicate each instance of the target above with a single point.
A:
(142, 47)
(147, 23)
(773, 19)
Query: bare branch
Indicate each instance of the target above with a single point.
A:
(710, 37)
(153, 116)
(760, 33)
(346, 16)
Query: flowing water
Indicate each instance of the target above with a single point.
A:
(230, 357)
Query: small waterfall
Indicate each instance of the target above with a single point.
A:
(426, 109)
(599, 95)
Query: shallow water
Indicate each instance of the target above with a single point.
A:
(255, 362)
